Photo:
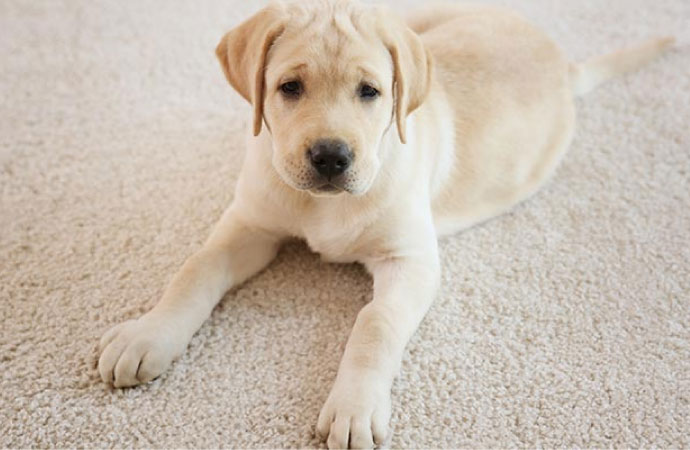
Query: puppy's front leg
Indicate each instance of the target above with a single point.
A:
(357, 411)
(139, 350)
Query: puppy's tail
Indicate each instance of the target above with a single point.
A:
(587, 75)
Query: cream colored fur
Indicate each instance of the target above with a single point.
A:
(476, 109)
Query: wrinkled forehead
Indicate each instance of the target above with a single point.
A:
(330, 42)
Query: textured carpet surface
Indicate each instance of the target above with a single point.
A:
(563, 323)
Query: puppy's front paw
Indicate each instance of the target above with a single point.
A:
(137, 351)
(356, 413)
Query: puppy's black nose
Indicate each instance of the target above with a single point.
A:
(330, 157)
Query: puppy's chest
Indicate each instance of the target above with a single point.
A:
(333, 243)
(338, 236)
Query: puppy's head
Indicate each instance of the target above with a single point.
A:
(328, 79)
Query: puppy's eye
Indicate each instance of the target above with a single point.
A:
(291, 89)
(367, 92)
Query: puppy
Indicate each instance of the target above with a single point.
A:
(371, 137)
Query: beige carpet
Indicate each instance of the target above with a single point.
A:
(565, 323)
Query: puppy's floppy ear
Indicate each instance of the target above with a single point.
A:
(242, 55)
(412, 65)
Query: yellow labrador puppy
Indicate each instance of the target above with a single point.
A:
(371, 138)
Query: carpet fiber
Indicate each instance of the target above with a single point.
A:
(563, 323)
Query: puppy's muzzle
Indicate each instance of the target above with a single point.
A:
(330, 157)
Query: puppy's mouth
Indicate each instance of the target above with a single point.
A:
(326, 190)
